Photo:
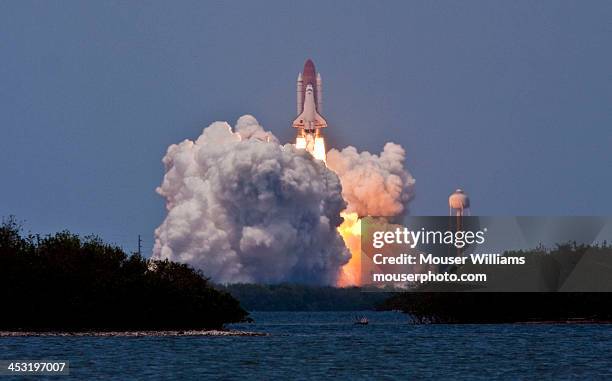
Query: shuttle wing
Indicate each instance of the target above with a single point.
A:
(309, 123)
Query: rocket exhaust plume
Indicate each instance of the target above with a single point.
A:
(314, 144)
(243, 208)
(372, 185)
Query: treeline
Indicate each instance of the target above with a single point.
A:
(576, 280)
(503, 307)
(64, 282)
(297, 297)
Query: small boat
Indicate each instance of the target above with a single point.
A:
(361, 320)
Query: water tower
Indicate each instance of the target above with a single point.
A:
(459, 206)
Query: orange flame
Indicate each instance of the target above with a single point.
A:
(319, 149)
(350, 230)
(315, 144)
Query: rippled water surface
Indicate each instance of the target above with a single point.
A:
(306, 345)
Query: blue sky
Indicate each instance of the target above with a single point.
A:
(510, 100)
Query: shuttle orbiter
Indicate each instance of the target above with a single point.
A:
(309, 120)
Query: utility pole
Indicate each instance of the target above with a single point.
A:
(139, 245)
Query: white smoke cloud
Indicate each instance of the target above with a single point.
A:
(243, 208)
(373, 185)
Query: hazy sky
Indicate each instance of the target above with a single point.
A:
(511, 100)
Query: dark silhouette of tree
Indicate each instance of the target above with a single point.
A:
(510, 307)
(64, 282)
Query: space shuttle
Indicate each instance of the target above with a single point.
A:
(309, 121)
(309, 100)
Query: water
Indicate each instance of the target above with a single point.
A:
(307, 345)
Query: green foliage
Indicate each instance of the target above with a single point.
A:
(64, 282)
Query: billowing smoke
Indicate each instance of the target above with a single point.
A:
(373, 185)
(244, 208)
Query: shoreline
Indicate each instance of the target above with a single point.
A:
(147, 333)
